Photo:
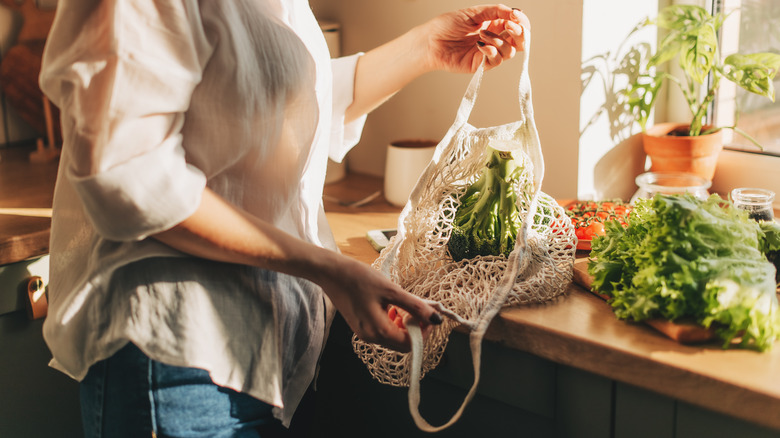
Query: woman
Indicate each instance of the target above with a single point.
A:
(192, 270)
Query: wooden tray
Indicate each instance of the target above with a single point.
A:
(684, 333)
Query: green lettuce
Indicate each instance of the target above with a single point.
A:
(684, 258)
(771, 245)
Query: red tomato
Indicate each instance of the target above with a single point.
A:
(594, 229)
(589, 217)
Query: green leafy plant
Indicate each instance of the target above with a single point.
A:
(691, 38)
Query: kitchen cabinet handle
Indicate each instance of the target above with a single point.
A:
(37, 301)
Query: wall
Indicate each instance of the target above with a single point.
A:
(610, 149)
(583, 159)
(426, 108)
(585, 156)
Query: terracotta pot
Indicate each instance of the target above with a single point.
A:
(682, 153)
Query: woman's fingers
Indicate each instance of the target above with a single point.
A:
(391, 334)
(502, 43)
(483, 13)
(492, 57)
(516, 33)
(402, 319)
(501, 39)
(418, 309)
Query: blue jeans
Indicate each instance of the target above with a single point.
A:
(130, 396)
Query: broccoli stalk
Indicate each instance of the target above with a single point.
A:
(487, 220)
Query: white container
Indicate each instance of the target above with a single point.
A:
(406, 160)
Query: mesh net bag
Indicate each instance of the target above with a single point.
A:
(470, 292)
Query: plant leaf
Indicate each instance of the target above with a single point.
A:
(668, 49)
(692, 35)
(682, 17)
(697, 56)
(753, 72)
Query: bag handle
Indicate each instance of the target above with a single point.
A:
(461, 118)
(518, 260)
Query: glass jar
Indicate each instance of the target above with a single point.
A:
(757, 202)
(671, 183)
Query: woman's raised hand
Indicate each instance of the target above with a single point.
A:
(458, 41)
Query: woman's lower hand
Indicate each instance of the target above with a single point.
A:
(367, 300)
(459, 41)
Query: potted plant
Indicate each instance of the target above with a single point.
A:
(691, 38)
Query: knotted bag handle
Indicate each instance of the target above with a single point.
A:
(518, 259)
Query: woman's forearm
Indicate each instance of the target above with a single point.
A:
(221, 232)
(383, 71)
(458, 41)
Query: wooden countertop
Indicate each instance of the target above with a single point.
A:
(580, 330)
(577, 329)
(26, 192)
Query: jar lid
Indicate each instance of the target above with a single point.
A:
(752, 196)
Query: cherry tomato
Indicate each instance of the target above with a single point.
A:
(594, 229)
(589, 217)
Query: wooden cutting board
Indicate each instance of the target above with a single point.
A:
(684, 333)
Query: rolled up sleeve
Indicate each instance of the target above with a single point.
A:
(145, 195)
(344, 135)
(123, 83)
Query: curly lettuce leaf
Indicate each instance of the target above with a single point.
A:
(771, 245)
(680, 257)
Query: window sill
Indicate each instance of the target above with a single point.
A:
(745, 169)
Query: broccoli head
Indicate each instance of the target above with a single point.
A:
(487, 220)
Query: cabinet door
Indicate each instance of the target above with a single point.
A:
(35, 400)
(583, 404)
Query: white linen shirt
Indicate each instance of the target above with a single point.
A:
(159, 99)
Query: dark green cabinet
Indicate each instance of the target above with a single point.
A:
(36, 401)
(520, 395)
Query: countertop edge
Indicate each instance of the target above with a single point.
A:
(22, 247)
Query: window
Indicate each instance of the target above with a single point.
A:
(751, 27)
